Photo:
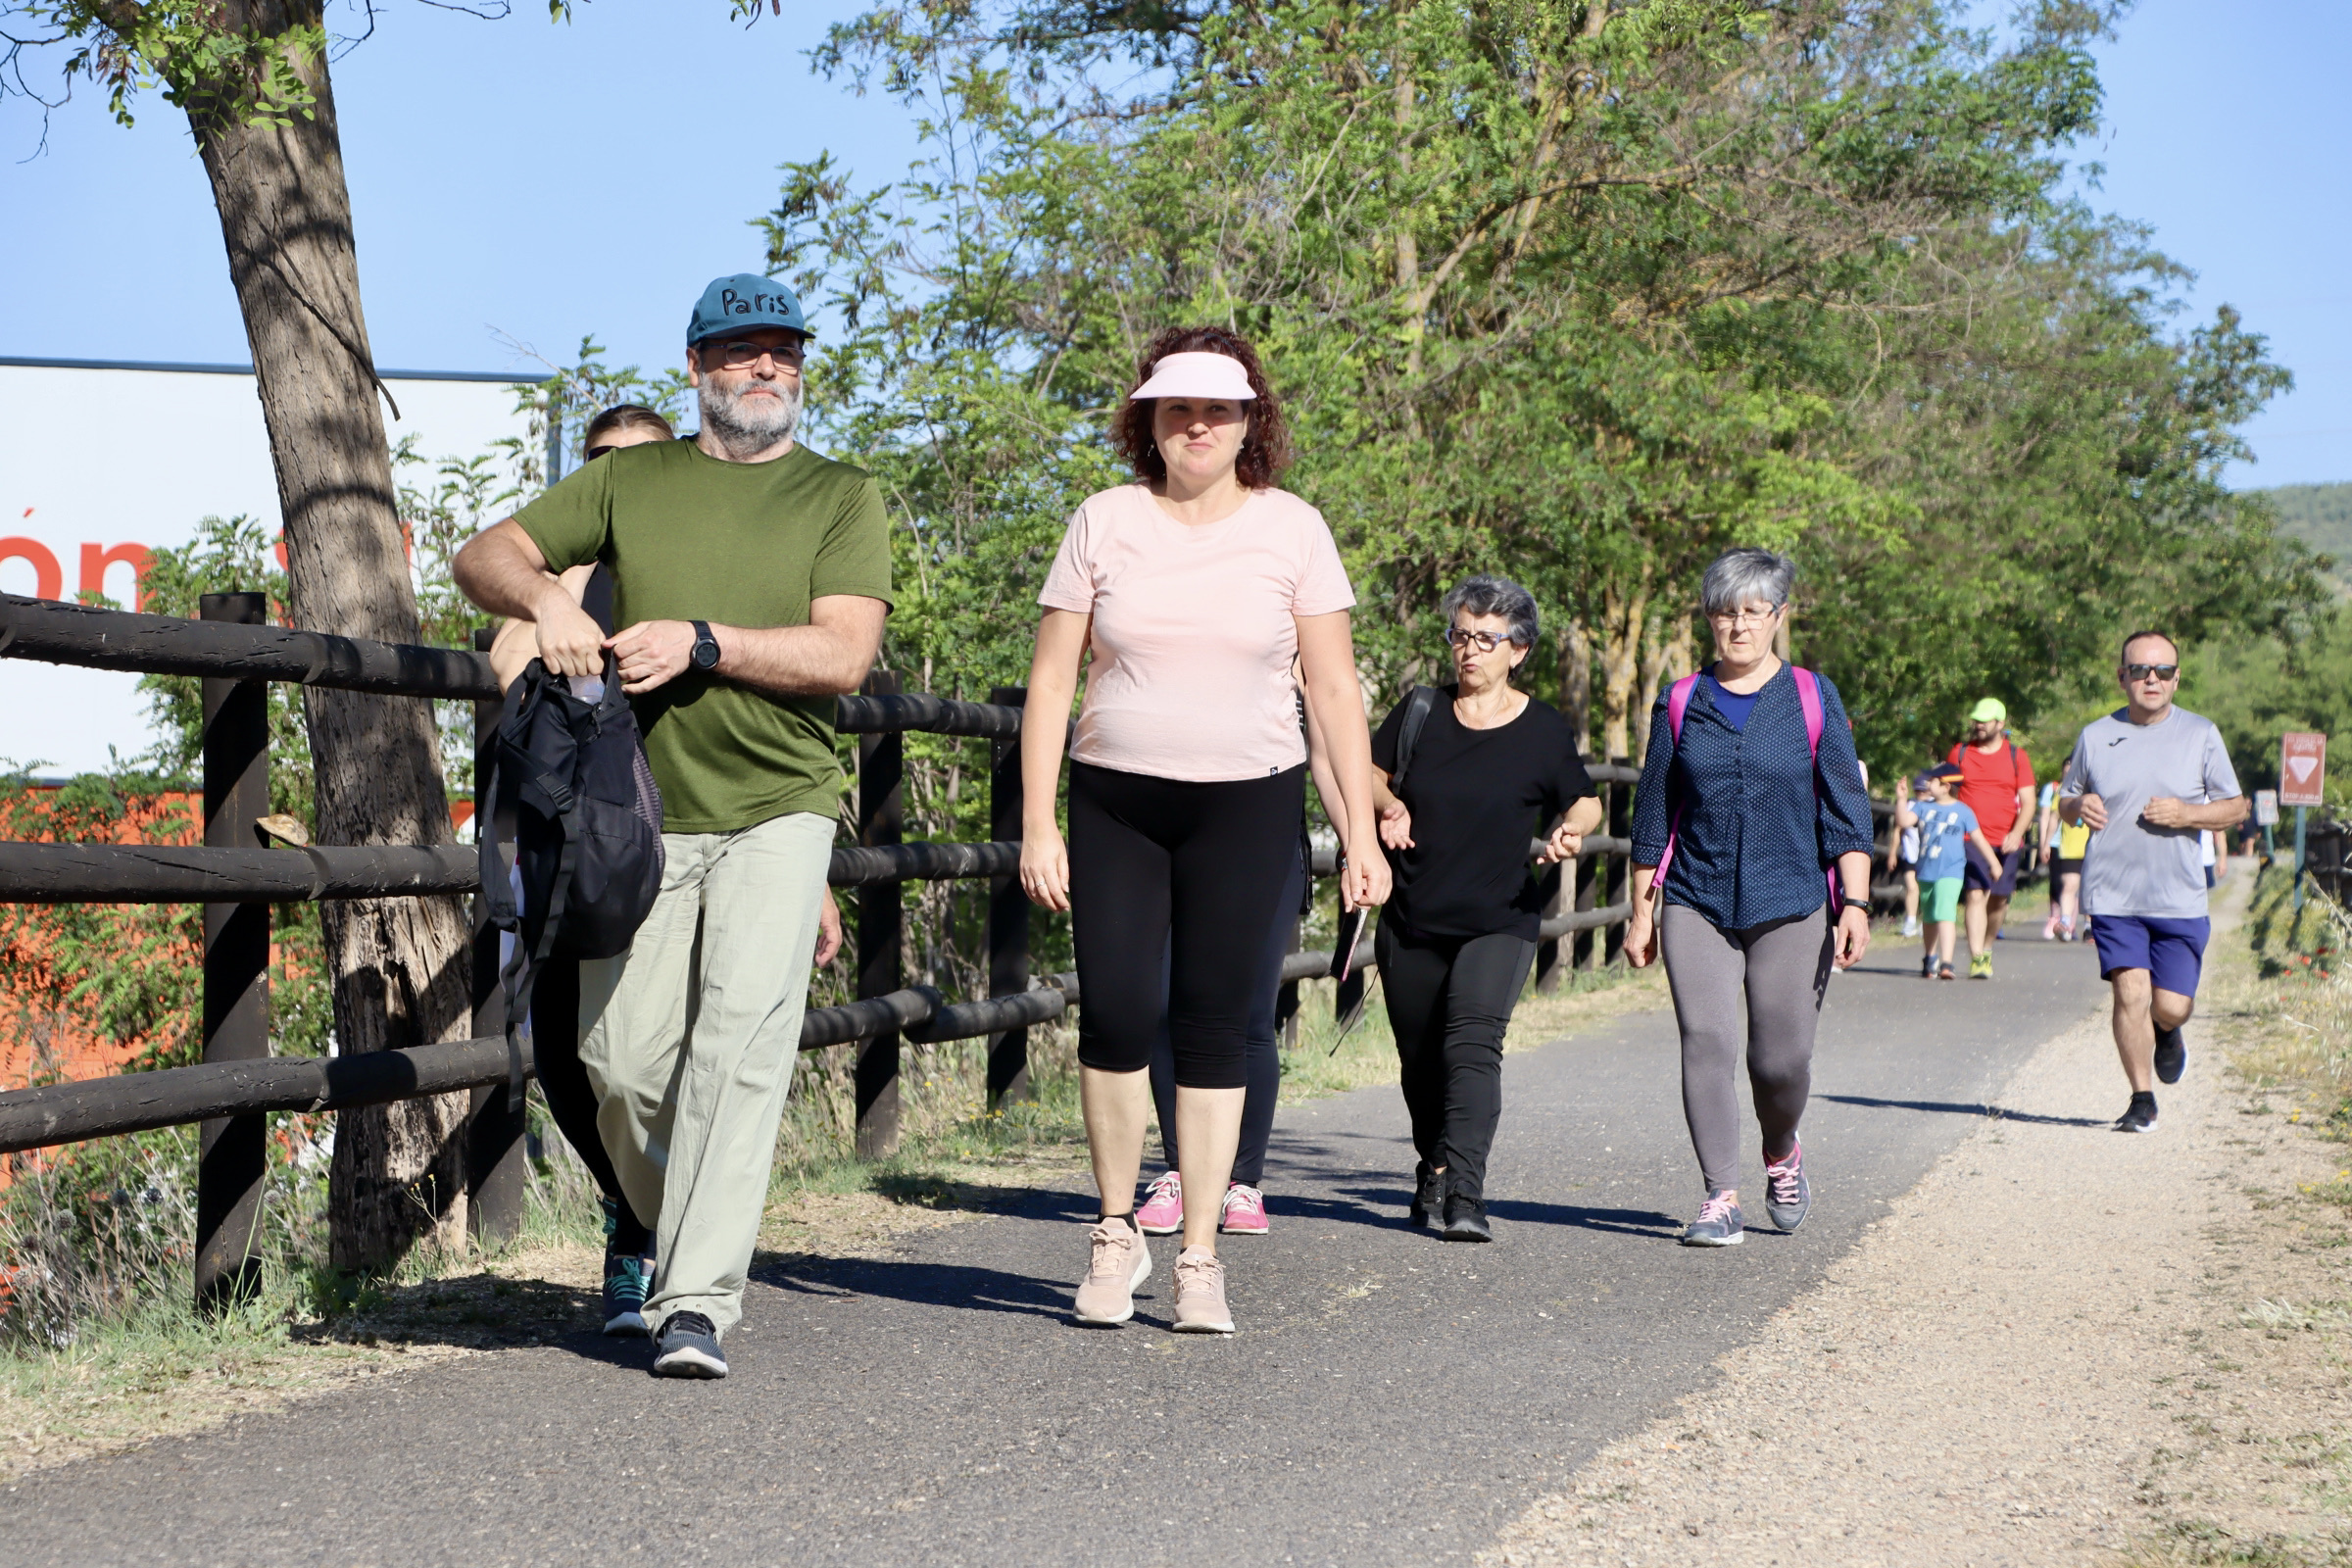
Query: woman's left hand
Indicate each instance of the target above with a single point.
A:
(1365, 885)
(1853, 937)
(1565, 845)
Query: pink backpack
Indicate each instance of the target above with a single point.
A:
(1678, 703)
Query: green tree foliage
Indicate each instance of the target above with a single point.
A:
(1583, 296)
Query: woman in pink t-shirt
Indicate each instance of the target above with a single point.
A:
(1194, 588)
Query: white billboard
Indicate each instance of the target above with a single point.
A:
(101, 461)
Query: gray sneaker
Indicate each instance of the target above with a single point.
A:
(689, 1348)
(1719, 1224)
(2172, 1055)
(1787, 1195)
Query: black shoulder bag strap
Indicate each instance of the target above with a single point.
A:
(1417, 707)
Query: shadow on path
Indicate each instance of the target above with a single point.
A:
(922, 1283)
(1974, 1109)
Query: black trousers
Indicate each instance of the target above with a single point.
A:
(1449, 1000)
(563, 1084)
(1264, 1062)
(1186, 875)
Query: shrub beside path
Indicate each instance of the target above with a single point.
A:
(2063, 1346)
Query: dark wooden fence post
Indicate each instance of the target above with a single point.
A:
(496, 1154)
(233, 1152)
(1620, 866)
(1590, 874)
(881, 803)
(1007, 914)
(1557, 890)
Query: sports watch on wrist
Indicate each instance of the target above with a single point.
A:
(1847, 901)
(705, 647)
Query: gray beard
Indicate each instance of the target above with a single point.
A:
(746, 426)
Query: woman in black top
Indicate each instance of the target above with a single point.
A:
(1491, 768)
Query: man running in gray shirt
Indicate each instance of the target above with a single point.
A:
(2145, 779)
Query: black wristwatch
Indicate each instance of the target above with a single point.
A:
(705, 647)
(1847, 901)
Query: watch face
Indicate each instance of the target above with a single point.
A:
(706, 655)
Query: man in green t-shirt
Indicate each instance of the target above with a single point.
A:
(750, 578)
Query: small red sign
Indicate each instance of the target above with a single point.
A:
(2302, 767)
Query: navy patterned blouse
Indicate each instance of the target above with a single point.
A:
(1760, 820)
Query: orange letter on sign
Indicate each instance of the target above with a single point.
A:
(48, 578)
(95, 561)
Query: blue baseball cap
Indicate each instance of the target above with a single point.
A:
(744, 302)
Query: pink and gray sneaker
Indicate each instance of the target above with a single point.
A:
(1162, 1212)
(1244, 1211)
(1787, 1195)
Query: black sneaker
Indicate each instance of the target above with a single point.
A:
(1926, 967)
(1429, 1198)
(2172, 1055)
(2139, 1116)
(689, 1348)
(1465, 1214)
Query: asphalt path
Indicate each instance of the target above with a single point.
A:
(1390, 1399)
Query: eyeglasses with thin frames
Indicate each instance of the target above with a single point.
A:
(1743, 617)
(743, 356)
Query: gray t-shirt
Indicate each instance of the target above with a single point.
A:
(2131, 866)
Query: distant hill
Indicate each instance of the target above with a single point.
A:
(2318, 515)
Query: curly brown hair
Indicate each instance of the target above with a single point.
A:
(1265, 449)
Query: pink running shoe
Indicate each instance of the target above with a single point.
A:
(1244, 1211)
(1162, 1210)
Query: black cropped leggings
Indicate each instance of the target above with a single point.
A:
(1264, 1065)
(1181, 874)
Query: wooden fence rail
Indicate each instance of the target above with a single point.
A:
(236, 878)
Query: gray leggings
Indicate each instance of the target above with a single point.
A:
(1784, 967)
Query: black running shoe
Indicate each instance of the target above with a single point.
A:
(2172, 1055)
(689, 1348)
(1465, 1215)
(1429, 1198)
(2139, 1116)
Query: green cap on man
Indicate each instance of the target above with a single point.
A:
(1990, 710)
(745, 303)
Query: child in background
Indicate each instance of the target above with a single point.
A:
(1903, 853)
(1945, 830)
(2066, 881)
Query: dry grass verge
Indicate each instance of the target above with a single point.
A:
(2063, 1346)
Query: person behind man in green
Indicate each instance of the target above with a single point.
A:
(750, 578)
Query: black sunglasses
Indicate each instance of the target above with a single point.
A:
(594, 453)
(2143, 671)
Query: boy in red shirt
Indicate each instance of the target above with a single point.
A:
(1997, 783)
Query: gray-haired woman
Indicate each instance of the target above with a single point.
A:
(1750, 792)
(1488, 768)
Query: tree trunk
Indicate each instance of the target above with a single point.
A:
(1653, 670)
(1665, 660)
(399, 964)
(1624, 618)
(1576, 684)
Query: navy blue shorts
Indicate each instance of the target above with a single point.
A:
(2173, 952)
(1978, 878)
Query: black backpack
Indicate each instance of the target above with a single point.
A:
(569, 780)
(1417, 706)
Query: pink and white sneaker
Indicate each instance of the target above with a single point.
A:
(1162, 1212)
(1244, 1211)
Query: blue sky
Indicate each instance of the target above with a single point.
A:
(545, 181)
